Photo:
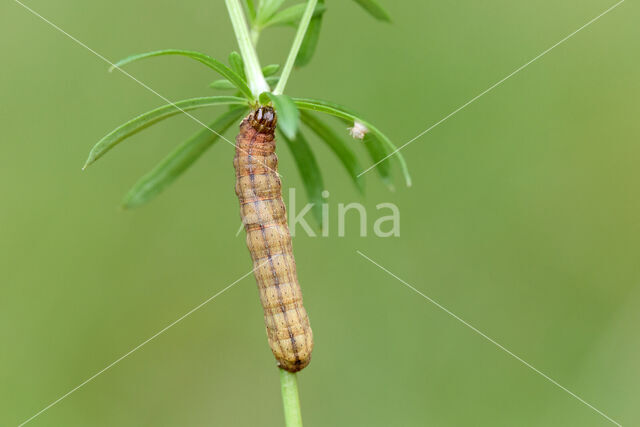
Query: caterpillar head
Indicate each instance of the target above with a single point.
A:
(264, 119)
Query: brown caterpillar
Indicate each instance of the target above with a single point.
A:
(264, 217)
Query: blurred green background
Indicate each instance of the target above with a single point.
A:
(523, 220)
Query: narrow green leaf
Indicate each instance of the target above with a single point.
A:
(326, 107)
(374, 8)
(237, 64)
(287, 16)
(266, 10)
(344, 113)
(178, 161)
(336, 144)
(309, 172)
(154, 116)
(252, 10)
(377, 153)
(310, 41)
(216, 65)
(288, 114)
(270, 69)
(223, 84)
(291, 15)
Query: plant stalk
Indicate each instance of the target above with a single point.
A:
(258, 85)
(256, 80)
(290, 399)
(295, 47)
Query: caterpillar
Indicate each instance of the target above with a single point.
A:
(263, 214)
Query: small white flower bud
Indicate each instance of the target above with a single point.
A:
(358, 131)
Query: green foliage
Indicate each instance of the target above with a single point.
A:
(251, 8)
(344, 113)
(270, 69)
(291, 15)
(266, 10)
(147, 119)
(237, 64)
(288, 113)
(179, 160)
(268, 72)
(305, 20)
(267, 13)
(337, 145)
(309, 171)
(377, 153)
(222, 84)
(272, 81)
(212, 63)
(374, 8)
(310, 42)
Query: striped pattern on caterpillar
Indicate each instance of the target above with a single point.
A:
(264, 217)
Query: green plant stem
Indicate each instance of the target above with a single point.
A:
(290, 399)
(255, 36)
(255, 78)
(295, 47)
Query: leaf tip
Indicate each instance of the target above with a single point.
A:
(389, 184)
(289, 133)
(128, 203)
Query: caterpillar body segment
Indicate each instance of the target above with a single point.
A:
(264, 217)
